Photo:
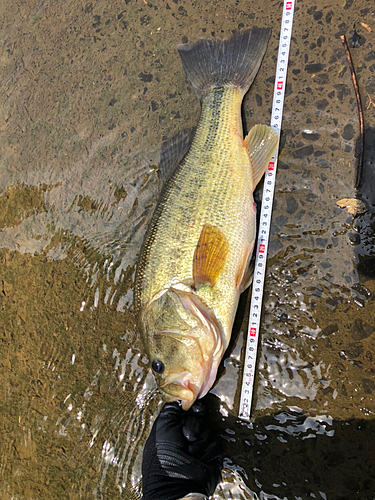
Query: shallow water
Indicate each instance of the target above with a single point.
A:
(89, 93)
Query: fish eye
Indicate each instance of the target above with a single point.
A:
(157, 366)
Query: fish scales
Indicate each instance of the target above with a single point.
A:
(194, 260)
(213, 184)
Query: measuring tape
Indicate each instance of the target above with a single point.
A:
(265, 216)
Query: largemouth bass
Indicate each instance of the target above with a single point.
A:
(194, 262)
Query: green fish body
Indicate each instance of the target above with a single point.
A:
(194, 262)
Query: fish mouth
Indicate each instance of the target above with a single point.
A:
(182, 386)
(183, 391)
(180, 383)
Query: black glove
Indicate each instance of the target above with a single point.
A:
(180, 455)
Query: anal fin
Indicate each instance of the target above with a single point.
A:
(247, 278)
(245, 272)
(210, 256)
(260, 143)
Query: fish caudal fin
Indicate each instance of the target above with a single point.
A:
(216, 63)
(260, 143)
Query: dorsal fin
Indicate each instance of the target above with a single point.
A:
(210, 256)
(173, 152)
(260, 143)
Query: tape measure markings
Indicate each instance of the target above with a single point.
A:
(265, 216)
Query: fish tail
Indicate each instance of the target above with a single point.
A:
(218, 63)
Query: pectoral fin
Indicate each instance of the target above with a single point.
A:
(210, 256)
(260, 143)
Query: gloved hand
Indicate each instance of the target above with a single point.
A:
(180, 456)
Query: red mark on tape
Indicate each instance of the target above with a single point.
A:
(253, 332)
(271, 165)
(288, 5)
(279, 85)
(262, 248)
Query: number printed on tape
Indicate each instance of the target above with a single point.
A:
(265, 216)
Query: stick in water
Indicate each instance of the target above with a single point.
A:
(360, 143)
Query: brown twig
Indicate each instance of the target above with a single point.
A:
(360, 143)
